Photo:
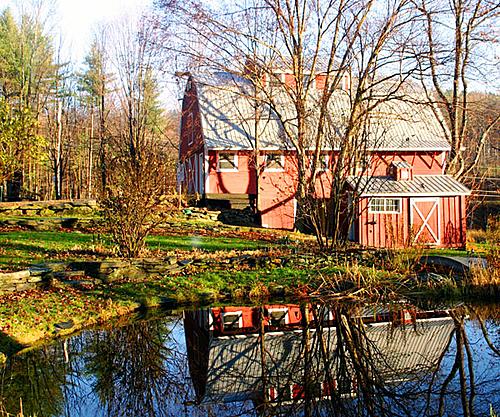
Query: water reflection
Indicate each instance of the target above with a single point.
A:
(308, 359)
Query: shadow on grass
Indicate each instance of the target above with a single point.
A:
(24, 255)
(8, 345)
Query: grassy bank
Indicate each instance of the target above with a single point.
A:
(20, 249)
(32, 315)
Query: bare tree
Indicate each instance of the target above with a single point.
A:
(455, 50)
(134, 198)
(264, 38)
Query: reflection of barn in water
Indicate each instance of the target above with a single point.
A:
(264, 354)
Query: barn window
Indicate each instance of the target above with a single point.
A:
(385, 205)
(232, 320)
(323, 162)
(309, 81)
(278, 316)
(275, 80)
(274, 162)
(227, 162)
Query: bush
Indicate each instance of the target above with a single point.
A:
(134, 202)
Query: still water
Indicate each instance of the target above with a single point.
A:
(275, 359)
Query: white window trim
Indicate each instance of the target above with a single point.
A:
(285, 310)
(385, 205)
(233, 313)
(276, 77)
(327, 162)
(312, 78)
(282, 161)
(235, 160)
(320, 167)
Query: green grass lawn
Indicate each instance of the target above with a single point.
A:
(19, 249)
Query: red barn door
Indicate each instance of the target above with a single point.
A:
(424, 218)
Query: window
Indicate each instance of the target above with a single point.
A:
(309, 80)
(232, 320)
(274, 162)
(278, 316)
(385, 205)
(275, 80)
(323, 163)
(227, 161)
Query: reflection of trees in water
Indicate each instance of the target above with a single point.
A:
(346, 367)
(382, 384)
(136, 372)
(467, 384)
(37, 379)
(345, 372)
(340, 367)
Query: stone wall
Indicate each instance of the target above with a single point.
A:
(233, 217)
(23, 280)
(48, 208)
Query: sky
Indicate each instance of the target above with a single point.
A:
(75, 20)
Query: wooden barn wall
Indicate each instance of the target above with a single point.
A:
(240, 182)
(424, 163)
(190, 125)
(276, 196)
(383, 230)
(453, 221)
(393, 230)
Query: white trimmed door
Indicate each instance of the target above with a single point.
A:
(425, 220)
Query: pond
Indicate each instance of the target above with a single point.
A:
(275, 359)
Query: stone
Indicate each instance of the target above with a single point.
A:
(46, 212)
(171, 260)
(24, 286)
(13, 213)
(11, 277)
(56, 266)
(69, 274)
(113, 263)
(129, 273)
(173, 269)
(38, 270)
(64, 325)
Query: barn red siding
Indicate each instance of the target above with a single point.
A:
(237, 182)
(382, 230)
(453, 221)
(423, 163)
(276, 201)
(396, 230)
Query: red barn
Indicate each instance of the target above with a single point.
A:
(234, 151)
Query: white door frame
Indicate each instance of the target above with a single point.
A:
(426, 219)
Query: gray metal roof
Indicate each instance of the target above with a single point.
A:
(232, 118)
(235, 367)
(421, 185)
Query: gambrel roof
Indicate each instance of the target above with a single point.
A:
(233, 116)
